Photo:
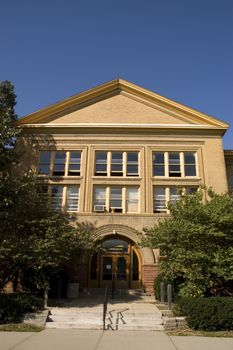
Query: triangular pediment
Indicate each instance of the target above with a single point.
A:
(120, 103)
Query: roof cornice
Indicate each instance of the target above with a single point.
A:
(115, 86)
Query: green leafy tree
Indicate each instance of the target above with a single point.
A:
(196, 244)
(31, 235)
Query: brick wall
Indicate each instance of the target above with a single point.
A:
(149, 272)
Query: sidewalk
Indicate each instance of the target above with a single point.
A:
(54, 339)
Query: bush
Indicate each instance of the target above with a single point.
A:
(210, 314)
(14, 305)
(175, 286)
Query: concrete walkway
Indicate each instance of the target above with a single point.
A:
(71, 339)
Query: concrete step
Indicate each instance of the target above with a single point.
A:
(140, 328)
(74, 325)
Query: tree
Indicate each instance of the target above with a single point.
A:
(197, 244)
(8, 132)
(31, 235)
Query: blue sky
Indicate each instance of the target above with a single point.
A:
(181, 49)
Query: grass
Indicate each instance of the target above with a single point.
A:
(20, 327)
(191, 332)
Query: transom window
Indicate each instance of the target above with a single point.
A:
(60, 163)
(174, 164)
(163, 195)
(61, 197)
(116, 163)
(116, 199)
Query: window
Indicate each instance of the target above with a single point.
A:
(69, 195)
(132, 164)
(56, 197)
(44, 163)
(116, 163)
(174, 194)
(57, 162)
(174, 165)
(101, 164)
(74, 164)
(132, 200)
(99, 199)
(116, 199)
(189, 164)
(164, 195)
(72, 198)
(158, 164)
(160, 204)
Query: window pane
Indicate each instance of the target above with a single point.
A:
(72, 198)
(159, 199)
(190, 170)
(100, 196)
(44, 163)
(75, 164)
(116, 197)
(190, 164)
(101, 163)
(115, 245)
(174, 165)
(56, 197)
(191, 190)
(189, 158)
(117, 164)
(59, 164)
(132, 164)
(174, 194)
(158, 164)
(132, 200)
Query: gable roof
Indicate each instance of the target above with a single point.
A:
(192, 117)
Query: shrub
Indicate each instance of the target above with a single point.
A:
(14, 305)
(210, 314)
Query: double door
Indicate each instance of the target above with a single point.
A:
(115, 267)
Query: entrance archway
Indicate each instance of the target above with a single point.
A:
(118, 259)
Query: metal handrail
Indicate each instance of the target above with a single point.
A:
(105, 306)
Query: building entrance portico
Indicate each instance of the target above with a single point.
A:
(118, 261)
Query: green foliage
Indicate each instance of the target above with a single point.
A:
(14, 306)
(210, 314)
(7, 118)
(31, 235)
(197, 244)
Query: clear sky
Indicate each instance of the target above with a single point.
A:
(181, 49)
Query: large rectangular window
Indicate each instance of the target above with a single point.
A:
(132, 200)
(44, 163)
(116, 199)
(174, 164)
(56, 162)
(74, 164)
(117, 164)
(160, 203)
(164, 195)
(72, 198)
(158, 164)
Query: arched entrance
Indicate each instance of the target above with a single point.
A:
(118, 259)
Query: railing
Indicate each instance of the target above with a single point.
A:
(105, 306)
